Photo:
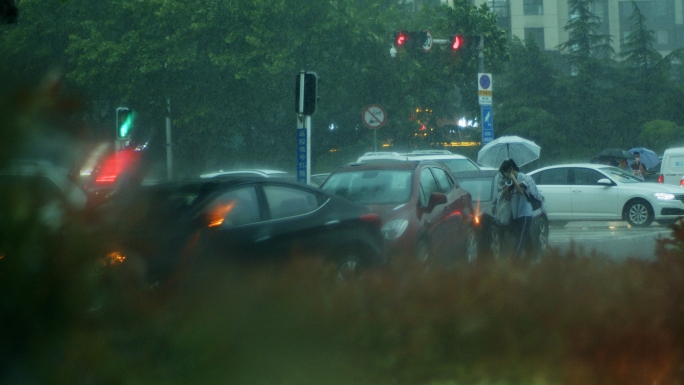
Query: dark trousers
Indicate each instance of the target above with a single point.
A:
(523, 238)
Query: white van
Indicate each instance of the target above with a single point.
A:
(672, 167)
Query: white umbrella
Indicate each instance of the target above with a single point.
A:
(522, 151)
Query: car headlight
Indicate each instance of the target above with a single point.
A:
(664, 196)
(394, 229)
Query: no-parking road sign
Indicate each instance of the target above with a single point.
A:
(374, 116)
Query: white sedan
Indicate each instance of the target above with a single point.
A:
(586, 192)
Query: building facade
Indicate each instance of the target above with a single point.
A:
(544, 20)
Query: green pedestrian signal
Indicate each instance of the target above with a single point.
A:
(125, 121)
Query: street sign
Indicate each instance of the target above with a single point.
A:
(374, 116)
(427, 45)
(302, 155)
(484, 88)
(487, 124)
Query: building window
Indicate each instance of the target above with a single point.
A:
(533, 7)
(661, 37)
(536, 34)
(503, 13)
(660, 17)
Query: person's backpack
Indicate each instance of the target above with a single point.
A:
(536, 203)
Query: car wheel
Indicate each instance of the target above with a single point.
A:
(349, 268)
(639, 213)
(423, 251)
(543, 236)
(471, 245)
(494, 242)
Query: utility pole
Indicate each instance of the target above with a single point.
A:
(305, 106)
(484, 94)
(169, 149)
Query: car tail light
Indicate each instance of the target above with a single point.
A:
(681, 183)
(661, 179)
(116, 164)
(372, 218)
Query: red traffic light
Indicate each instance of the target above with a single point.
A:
(456, 42)
(401, 38)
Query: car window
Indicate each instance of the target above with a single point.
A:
(586, 176)
(234, 208)
(480, 189)
(553, 176)
(286, 202)
(372, 186)
(621, 175)
(428, 185)
(445, 182)
(456, 165)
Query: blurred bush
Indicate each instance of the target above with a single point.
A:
(69, 317)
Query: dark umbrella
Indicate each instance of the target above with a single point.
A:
(616, 153)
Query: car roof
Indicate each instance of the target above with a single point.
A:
(381, 155)
(397, 165)
(585, 165)
(431, 152)
(435, 154)
(674, 150)
(256, 172)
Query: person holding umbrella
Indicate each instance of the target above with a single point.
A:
(525, 199)
(638, 168)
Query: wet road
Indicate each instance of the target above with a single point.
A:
(617, 240)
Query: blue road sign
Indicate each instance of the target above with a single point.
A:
(487, 124)
(301, 155)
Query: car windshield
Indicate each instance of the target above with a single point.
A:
(480, 189)
(620, 175)
(371, 186)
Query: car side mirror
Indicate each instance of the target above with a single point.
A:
(436, 198)
(604, 182)
(207, 220)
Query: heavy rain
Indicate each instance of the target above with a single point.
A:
(341, 192)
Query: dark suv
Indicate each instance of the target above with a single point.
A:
(425, 214)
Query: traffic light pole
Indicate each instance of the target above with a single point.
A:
(480, 54)
(306, 98)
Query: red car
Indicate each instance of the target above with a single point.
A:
(425, 213)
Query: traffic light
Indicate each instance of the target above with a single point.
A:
(125, 121)
(410, 39)
(9, 12)
(307, 97)
(401, 38)
(470, 42)
(456, 42)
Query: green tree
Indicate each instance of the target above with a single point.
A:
(637, 50)
(528, 100)
(585, 45)
(228, 69)
(659, 135)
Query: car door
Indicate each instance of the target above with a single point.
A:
(437, 221)
(591, 200)
(295, 224)
(457, 209)
(553, 184)
(232, 221)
